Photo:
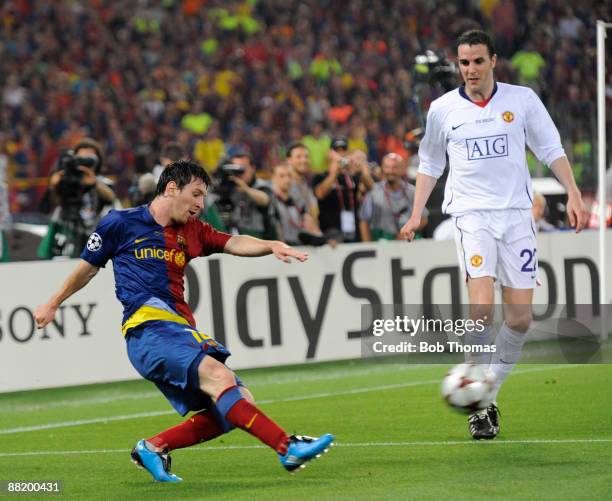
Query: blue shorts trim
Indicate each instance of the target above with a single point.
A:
(168, 354)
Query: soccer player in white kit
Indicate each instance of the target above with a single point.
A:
(484, 127)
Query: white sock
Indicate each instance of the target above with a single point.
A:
(475, 340)
(508, 344)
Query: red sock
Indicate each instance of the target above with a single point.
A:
(198, 428)
(249, 418)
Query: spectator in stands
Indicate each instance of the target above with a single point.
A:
(142, 190)
(79, 196)
(210, 150)
(294, 224)
(318, 144)
(197, 120)
(298, 160)
(357, 136)
(136, 79)
(570, 26)
(504, 22)
(171, 152)
(337, 191)
(529, 64)
(539, 211)
(387, 207)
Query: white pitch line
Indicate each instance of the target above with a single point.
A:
(79, 422)
(419, 443)
(80, 402)
(124, 417)
(355, 391)
(560, 441)
(254, 382)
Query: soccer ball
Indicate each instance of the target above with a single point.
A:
(468, 388)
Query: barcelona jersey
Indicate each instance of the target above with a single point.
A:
(149, 262)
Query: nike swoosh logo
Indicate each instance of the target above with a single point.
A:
(457, 126)
(138, 240)
(250, 423)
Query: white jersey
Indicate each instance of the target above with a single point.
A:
(486, 147)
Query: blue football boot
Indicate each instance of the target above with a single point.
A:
(156, 463)
(302, 449)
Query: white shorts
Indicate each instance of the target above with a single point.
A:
(500, 244)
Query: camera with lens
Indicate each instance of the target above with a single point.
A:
(226, 171)
(69, 163)
(435, 68)
(412, 140)
(224, 187)
(70, 188)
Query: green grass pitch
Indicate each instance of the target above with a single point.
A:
(396, 439)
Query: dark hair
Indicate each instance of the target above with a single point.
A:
(477, 37)
(94, 145)
(173, 151)
(294, 145)
(242, 154)
(182, 172)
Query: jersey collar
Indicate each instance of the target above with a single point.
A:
(148, 217)
(464, 95)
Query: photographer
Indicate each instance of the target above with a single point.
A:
(337, 191)
(80, 196)
(243, 201)
(387, 207)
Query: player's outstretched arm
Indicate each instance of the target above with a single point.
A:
(243, 245)
(424, 186)
(78, 279)
(576, 211)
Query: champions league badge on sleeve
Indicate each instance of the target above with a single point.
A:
(94, 243)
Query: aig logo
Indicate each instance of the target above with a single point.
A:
(487, 147)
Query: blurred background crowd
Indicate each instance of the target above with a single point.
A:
(222, 81)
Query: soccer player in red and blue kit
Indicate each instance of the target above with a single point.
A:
(150, 247)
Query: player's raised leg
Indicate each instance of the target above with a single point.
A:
(219, 382)
(200, 427)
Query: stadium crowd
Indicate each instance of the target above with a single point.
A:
(222, 78)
